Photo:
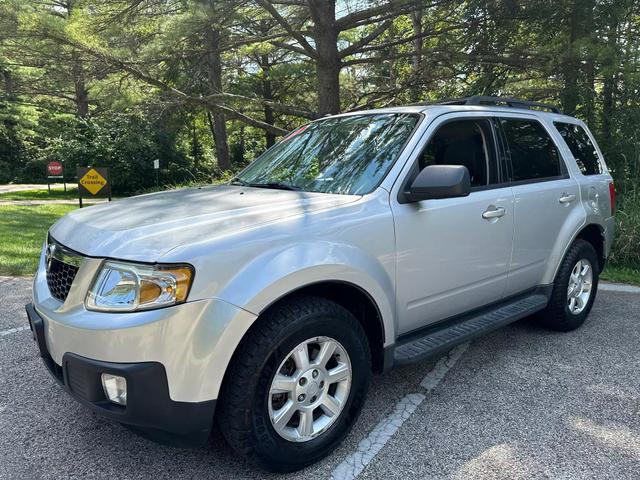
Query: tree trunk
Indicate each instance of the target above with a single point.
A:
(610, 71)
(267, 94)
(416, 64)
(571, 63)
(328, 64)
(81, 96)
(10, 119)
(81, 93)
(217, 118)
(590, 64)
(196, 151)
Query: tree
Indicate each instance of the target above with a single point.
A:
(324, 32)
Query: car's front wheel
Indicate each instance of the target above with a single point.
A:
(296, 384)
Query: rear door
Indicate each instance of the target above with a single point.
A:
(544, 194)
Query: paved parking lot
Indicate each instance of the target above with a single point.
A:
(519, 403)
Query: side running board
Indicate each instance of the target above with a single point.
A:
(448, 335)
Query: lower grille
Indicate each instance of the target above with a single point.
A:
(62, 267)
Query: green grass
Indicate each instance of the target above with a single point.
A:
(56, 194)
(22, 231)
(621, 275)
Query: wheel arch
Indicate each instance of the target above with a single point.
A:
(595, 235)
(592, 233)
(354, 298)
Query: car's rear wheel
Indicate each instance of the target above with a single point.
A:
(574, 289)
(296, 384)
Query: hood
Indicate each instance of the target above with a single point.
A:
(144, 228)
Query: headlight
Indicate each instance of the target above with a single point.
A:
(126, 287)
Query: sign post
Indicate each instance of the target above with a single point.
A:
(156, 167)
(55, 169)
(93, 182)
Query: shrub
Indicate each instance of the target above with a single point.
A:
(626, 251)
(6, 172)
(126, 143)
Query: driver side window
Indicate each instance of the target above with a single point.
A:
(466, 142)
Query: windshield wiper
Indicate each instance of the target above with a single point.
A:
(239, 181)
(274, 185)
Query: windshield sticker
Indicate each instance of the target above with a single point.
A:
(295, 132)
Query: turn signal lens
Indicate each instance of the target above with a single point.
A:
(149, 291)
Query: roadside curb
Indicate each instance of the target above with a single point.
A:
(618, 287)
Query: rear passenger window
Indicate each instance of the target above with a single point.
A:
(533, 154)
(581, 147)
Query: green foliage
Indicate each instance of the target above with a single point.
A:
(127, 143)
(627, 247)
(617, 274)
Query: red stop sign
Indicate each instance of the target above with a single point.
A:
(54, 169)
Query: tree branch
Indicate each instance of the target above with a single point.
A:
(287, 26)
(140, 75)
(292, 48)
(406, 40)
(355, 46)
(279, 107)
(403, 7)
(348, 21)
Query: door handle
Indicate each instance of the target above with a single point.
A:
(493, 212)
(567, 198)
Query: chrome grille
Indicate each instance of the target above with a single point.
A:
(62, 267)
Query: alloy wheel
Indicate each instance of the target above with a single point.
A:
(580, 285)
(309, 389)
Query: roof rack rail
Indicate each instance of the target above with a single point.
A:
(499, 101)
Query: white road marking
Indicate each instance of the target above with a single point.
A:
(4, 333)
(369, 447)
(618, 287)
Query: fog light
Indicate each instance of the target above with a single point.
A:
(115, 388)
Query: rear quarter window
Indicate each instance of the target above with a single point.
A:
(533, 154)
(581, 148)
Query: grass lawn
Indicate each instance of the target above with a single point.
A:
(621, 275)
(41, 194)
(22, 231)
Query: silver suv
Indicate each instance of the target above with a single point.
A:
(359, 242)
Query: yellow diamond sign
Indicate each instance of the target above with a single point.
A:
(93, 181)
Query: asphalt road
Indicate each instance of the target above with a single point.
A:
(519, 403)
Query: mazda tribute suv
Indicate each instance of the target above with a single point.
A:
(359, 242)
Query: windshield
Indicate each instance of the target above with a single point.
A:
(346, 155)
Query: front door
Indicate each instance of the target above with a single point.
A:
(453, 254)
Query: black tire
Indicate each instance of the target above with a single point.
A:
(557, 316)
(242, 412)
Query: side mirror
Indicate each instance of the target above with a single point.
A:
(440, 181)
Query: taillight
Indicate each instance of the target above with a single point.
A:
(612, 197)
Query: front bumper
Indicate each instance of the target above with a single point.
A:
(149, 409)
